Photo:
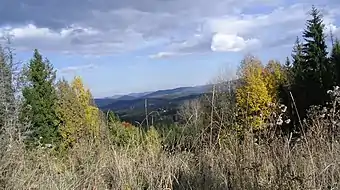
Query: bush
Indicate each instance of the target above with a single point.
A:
(123, 135)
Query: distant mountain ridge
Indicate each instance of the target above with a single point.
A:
(167, 94)
(131, 107)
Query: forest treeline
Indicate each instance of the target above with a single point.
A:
(277, 129)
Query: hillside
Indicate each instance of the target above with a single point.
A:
(164, 103)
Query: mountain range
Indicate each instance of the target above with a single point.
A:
(109, 102)
(131, 107)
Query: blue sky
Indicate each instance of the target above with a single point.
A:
(119, 47)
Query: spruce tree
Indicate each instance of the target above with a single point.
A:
(287, 68)
(298, 63)
(40, 101)
(297, 86)
(317, 77)
(288, 64)
(335, 60)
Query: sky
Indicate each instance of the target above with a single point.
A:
(119, 47)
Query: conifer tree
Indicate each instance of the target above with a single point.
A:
(288, 64)
(39, 106)
(317, 77)
(295, 83)
(288, 72)
(298, 63)
(335, 60)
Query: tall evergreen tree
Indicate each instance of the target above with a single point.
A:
(298, 63)
(40, 101)
(287, 68)
(335, 60)
(288, 64)
(317, 77)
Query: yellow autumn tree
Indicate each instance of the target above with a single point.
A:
(252, 95)
(77, 112)
(71, 114)
(275, 76)
(92, 120)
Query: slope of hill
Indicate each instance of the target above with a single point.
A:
(131, 107)
(177, 92)
(164, 94)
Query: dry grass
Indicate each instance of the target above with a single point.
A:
(272, 162)
(311, 163)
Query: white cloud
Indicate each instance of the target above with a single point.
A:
(232, 43)
(161, 55)
(106, 27)
(32, 31)
(244, 32)
(76, 68)
(72, 39)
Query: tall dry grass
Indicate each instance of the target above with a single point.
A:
(311, 163)
(265, 162)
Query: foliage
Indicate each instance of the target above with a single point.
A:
(289, 77)
(312, 71)
(71, 114)
(111, 117)
(122, 136)
(315, 68)
(92, 120)
(253, 96)
(297, 64)
(152, 140)
(206, 151)
(78, 115)
(275, 77)
(335, 60)
(40, 100)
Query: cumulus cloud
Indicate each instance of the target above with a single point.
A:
(246, 32)
(96, 27)
(233, 43)
(72, 39)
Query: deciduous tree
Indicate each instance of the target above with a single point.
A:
(252, 96)
(7, 89)
(92, 113)
(71, 114)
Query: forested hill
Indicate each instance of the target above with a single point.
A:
(131, 107)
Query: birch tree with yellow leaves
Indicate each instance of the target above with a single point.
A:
(92, 113)
(252, 96)
(80, 117)
(275, 76)
(71, 114)
(258, 95)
